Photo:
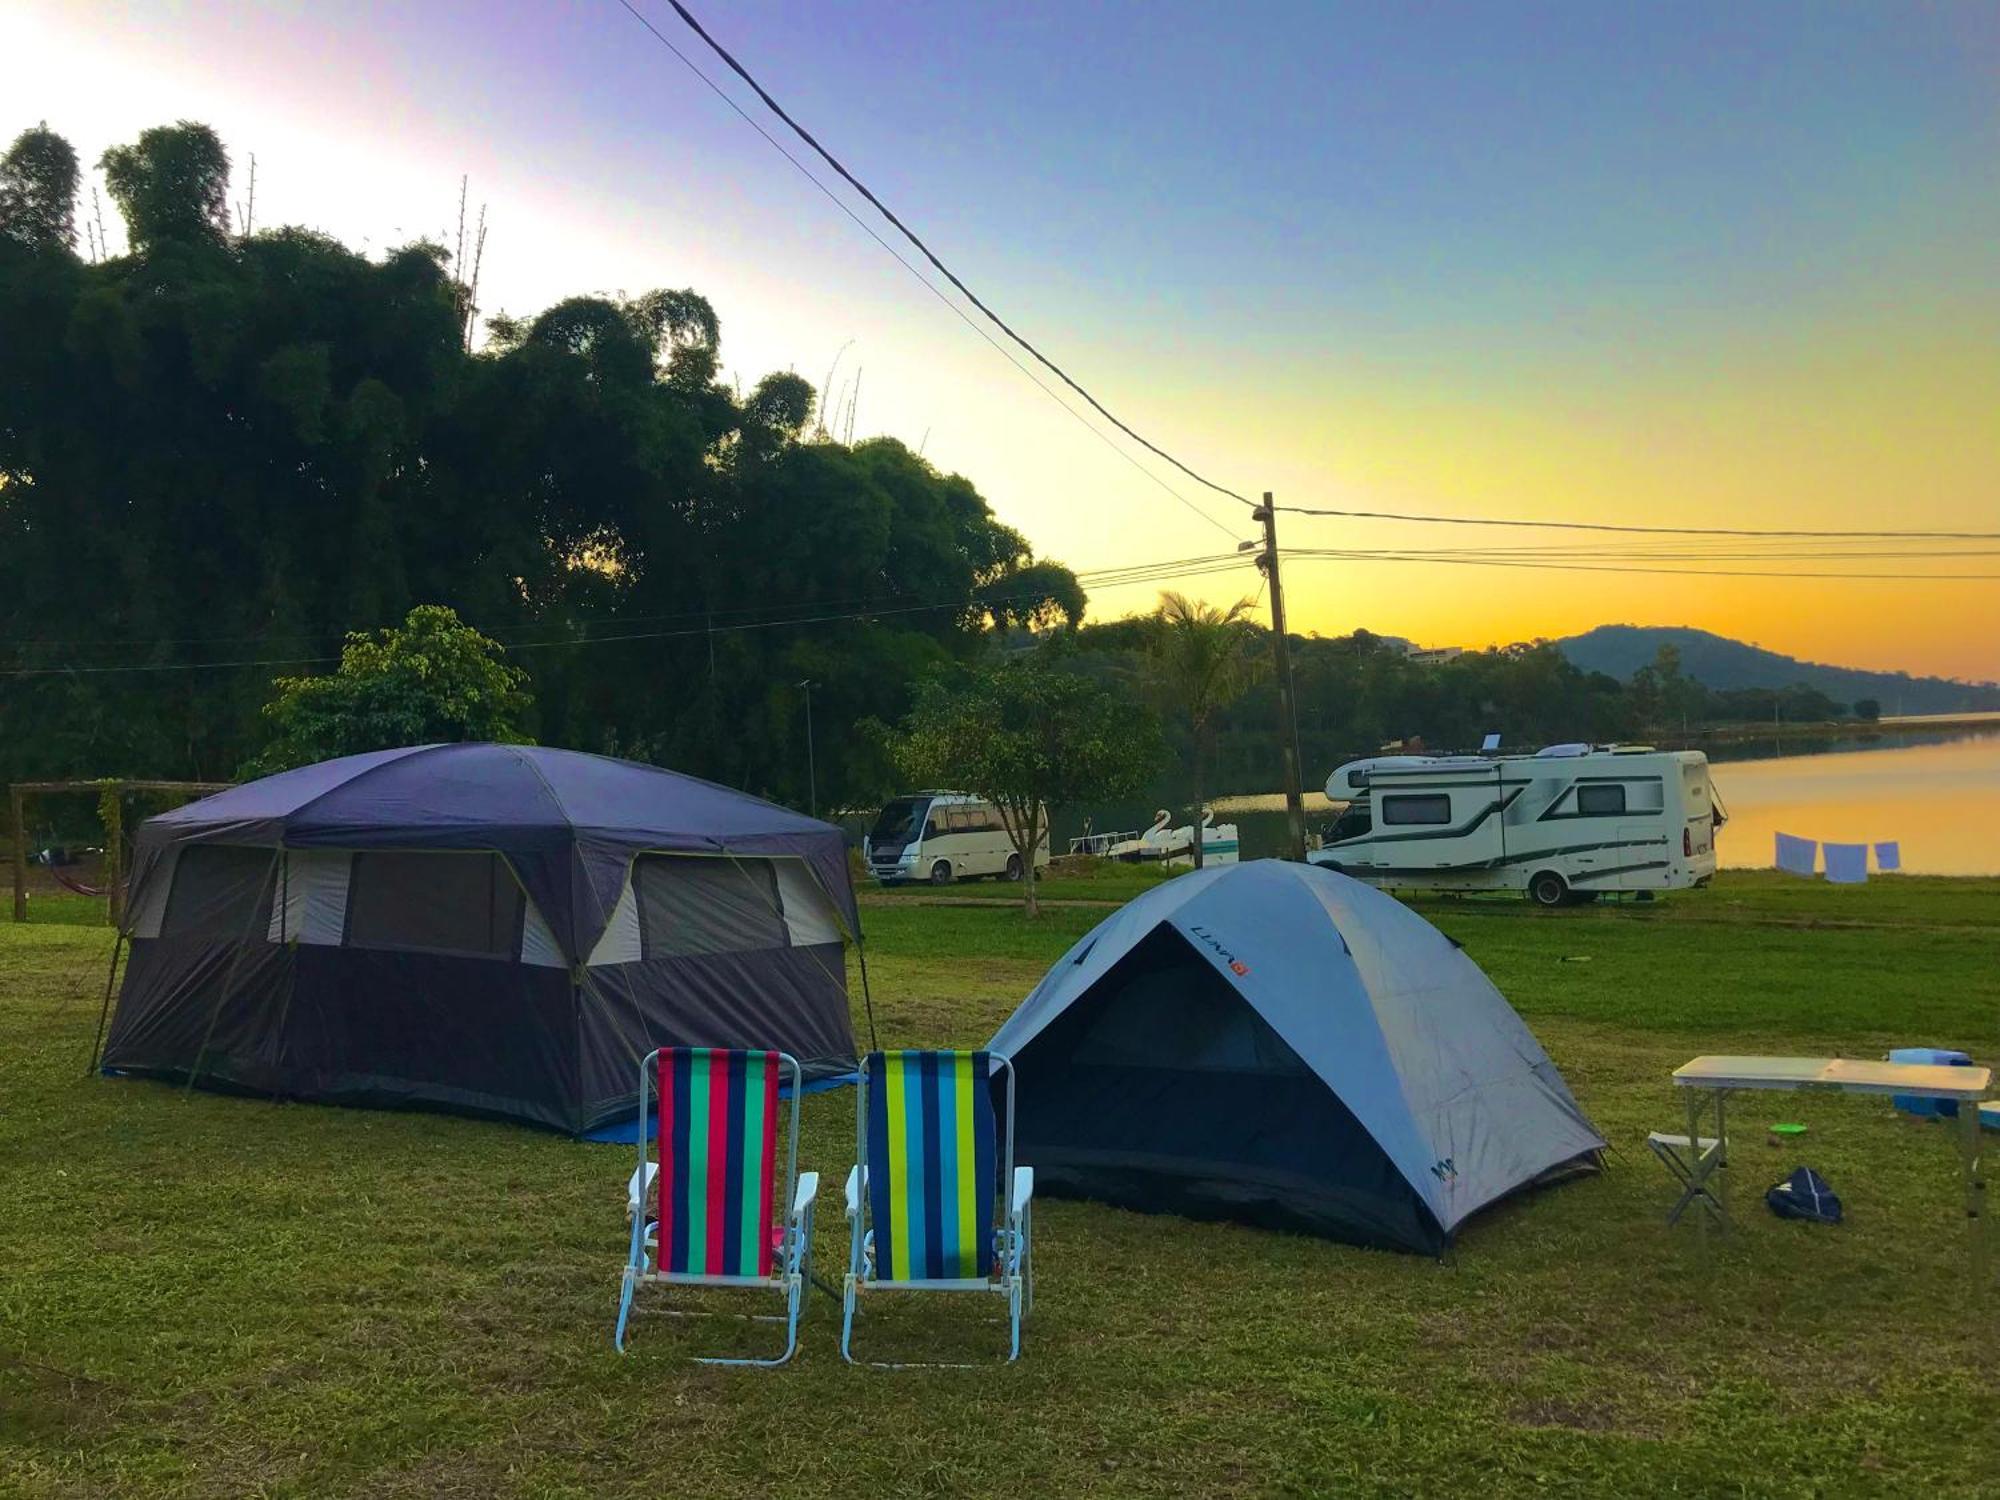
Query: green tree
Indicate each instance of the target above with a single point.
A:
(172, 186)
(38, 191)
(1030, 737)
(219, 451)
(434, 680)
(1201, 660)
(1869, 709)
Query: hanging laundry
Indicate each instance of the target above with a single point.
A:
(1796, 854)
(1888, 857)
(1847, 864)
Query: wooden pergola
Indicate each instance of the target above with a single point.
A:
(114, 836)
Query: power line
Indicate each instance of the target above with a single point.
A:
(1106, 577)
(909, 234)
(1102, 578)
(1738, 531)
(922, 280)
(1330, 554)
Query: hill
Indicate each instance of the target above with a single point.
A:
(1720, 663)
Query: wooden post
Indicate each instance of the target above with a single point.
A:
(111, 811)
(1288, 719)
(20, 824)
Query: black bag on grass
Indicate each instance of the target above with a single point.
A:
(1804, 1195)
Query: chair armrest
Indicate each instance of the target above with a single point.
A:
(634, 1191)
(804, 1194)
(857, 1184)
(1024, 1189)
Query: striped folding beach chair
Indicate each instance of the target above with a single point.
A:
(707, 1213)
(923, 1200)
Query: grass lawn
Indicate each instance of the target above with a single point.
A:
(202, 1295)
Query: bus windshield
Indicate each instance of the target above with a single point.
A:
(900, 821)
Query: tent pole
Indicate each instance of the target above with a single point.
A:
(867, 999)
(104, 1010)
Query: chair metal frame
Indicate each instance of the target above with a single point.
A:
(791, 1270)
(1013, 1274)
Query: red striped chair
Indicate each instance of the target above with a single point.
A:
(708, 1213)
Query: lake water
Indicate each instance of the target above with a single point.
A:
(1934, 791)
(1940, 800)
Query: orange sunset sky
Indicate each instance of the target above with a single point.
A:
(1684, 266)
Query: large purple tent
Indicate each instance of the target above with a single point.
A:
(498, 929)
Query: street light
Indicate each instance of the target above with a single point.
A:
(812, 772)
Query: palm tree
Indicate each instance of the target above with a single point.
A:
(1201, 659)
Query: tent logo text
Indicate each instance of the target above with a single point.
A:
(1236, 965)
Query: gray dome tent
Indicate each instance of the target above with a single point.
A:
(1280, 1044)
(492, 929)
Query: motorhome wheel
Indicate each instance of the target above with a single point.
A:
(941, 872)
(1013, 867)
(1548, 889)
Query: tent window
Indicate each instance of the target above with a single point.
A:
(1428, 808)
(465, 904)
(694, 905)
(219, 891)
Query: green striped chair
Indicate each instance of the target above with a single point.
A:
(924, 1202)
(706, 1213)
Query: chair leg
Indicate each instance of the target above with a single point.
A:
(1014, 1319)
(624, 1310)
(847, 1319)
(1028, 1260)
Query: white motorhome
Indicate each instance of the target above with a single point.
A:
(1562, 824)
(941, 837)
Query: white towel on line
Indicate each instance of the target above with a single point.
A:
(1847, 864)
(1796, 854)
(1889, 856)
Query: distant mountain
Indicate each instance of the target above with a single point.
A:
(1717, 662)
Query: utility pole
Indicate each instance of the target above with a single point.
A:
(1288, 715)
(812, 772)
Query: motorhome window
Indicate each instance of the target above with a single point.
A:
(1415, 808)
(899, 821)
(433, 903)
(989, 819)
(1600, 799)
(1351, 824)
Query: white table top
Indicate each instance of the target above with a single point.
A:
(1851, 1075)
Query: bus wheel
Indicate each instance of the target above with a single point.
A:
(1013, 867)
(1548, 889)
(941, 872)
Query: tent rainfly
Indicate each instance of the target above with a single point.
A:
(491, 929)
(1279, 1044)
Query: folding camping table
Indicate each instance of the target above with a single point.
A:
(1709, 1080)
